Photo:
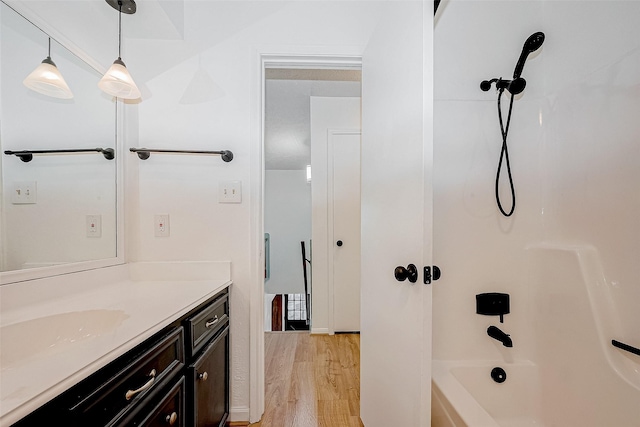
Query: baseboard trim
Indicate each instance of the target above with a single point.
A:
(239, 416)
(319, 331)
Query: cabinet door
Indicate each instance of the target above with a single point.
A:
(208, 379)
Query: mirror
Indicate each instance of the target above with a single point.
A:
(57, 208)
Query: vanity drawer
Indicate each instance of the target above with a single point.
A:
(205, 324)
(148, 372)
(166, 410)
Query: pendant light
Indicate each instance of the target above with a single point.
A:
(117, 81)
(47, 80)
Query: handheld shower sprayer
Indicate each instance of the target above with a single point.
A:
(518, 84)
(532, 44)
(514, 86)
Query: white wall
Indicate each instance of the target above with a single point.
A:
(287, 219)
(226, 38)
(573, 148)
(476, 248)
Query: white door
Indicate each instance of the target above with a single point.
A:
(344, 227)
(327, 114)
(396, 218)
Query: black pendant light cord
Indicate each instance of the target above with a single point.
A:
(119, 28)
(504, 154)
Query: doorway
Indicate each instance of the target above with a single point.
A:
(269, 61)
(297, 216)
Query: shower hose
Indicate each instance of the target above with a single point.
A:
(504, 155)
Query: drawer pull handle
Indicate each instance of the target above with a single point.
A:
(211, 322)
(171, 419)
(129, 395)
(203, 376)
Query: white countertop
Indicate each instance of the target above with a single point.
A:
(40, 358)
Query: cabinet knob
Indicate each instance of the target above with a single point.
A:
(203, 376)
(339, 243)
(171, 419)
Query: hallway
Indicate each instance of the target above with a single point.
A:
(311, 380)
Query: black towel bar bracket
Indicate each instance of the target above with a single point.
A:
(145, 153)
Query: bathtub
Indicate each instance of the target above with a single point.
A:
(465, 395)
(571, 375)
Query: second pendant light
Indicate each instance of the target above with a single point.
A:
(117, 81)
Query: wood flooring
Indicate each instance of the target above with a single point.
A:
(311, 380)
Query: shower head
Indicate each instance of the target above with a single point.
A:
(534, 41)
(532, 44)
(517, 84)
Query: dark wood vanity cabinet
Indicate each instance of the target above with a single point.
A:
(208, 365)
(208, 380)
(179, 377)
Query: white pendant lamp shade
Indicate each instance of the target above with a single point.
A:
(47, 80)
(118, 82)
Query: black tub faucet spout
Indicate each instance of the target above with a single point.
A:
(495, 333)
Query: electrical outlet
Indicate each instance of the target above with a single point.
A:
(24, 193)
(230, 192)
(161, 225)
(94, 225)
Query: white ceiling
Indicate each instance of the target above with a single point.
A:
(287, 111)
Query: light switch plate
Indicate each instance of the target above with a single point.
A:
(230, 192)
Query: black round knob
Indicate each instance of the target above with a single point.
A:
(339, 243)
(411, 272)
(499, 375)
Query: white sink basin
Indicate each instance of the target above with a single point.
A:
(26, 340)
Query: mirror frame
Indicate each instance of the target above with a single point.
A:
(16, 276)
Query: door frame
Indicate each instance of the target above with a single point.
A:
(330, 217)
(266, 59)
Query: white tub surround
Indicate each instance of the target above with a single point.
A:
(55, 332)
(465, 395)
